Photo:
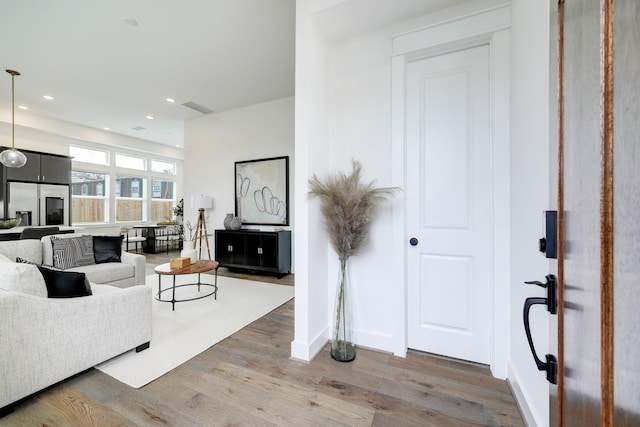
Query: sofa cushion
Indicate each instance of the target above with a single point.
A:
(107, 248)
(107, 272)
(23, 278)
(31, 250)
(72, 252)
(104, 289)
(65, 284)
(24, 261)
(4, 258)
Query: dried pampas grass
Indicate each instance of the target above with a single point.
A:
(348, 207)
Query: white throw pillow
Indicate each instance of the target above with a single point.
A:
(4, 258)
(24, 278)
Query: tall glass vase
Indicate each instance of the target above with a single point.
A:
(342, 347)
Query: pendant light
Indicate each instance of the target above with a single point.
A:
(13, 158)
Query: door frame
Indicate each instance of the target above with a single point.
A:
(490, 27)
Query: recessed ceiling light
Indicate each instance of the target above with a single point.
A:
(178, 145)
(23, 107)
(106, 128)
(149, 117)
(48, 97)
(171, 100)
(130, 21)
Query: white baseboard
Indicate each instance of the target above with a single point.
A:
(373, 341)
(521, 400)
(306, 351)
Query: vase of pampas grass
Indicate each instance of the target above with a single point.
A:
(342, 347)
(348, 207)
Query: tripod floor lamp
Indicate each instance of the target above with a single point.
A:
(201, 203)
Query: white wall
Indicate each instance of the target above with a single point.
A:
(529, 197)
(311, 146)
(360, 128)
(213, 143)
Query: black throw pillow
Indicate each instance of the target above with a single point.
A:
(107, 248)
(65, 284)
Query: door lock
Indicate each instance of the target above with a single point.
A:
(413, 241)
(548, 244)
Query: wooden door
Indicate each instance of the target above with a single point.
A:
(599, 213)
(448, 196)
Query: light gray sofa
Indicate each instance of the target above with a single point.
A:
(129, 272)
(46, 340)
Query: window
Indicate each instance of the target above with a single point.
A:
(88, 197)
(129, 162)
(129, 198)
(88, 155)
(111, 186)
(163, 199)
(163, 167)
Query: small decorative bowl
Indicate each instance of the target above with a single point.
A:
(9, 223)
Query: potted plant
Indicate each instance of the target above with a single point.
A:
(348, 207)
(178, 213)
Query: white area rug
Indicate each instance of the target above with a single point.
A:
(194, 326)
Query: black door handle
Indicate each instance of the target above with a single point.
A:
(413, 241)
(552, 287)
(550, 365)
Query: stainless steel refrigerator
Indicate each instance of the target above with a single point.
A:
(38, 204)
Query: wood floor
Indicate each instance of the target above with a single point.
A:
(249, 379)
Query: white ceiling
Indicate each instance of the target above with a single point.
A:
(340, 19)
(220, 54)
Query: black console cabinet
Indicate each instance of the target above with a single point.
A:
(259, 251)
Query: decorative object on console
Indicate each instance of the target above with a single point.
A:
(236, 223)
(232, 222)
(13, 158)
(262, 191)
(201, 203)
(227, 221)
(348, 206)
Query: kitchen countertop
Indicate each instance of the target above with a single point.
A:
(18, 230)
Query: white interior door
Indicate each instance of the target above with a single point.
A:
(448, 204)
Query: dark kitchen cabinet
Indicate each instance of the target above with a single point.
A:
(253, 250)
(42, 168)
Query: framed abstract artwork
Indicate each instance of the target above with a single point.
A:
(262, 191)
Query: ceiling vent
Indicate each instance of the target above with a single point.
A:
(138, 128)
(198, 108)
